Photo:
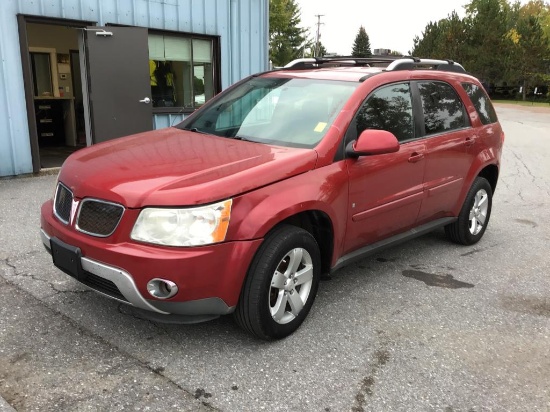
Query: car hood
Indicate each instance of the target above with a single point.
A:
(173, 167)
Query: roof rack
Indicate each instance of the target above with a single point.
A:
(309, 62)
(390, 63)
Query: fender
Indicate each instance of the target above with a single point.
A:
(324, 189)
(488, 156)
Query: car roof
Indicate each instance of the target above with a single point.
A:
(350, 74)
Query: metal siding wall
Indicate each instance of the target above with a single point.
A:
(241, 24)
(15, 150)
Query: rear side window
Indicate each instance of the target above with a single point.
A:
(388, 108)
(443, 109)
(481, 102)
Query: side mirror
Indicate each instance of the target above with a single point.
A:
(373, 142)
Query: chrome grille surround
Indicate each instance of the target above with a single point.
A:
(98, 218)
(63, 202)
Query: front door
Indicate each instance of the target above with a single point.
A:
(385, 191)
(119, 91)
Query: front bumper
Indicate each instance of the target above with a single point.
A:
(209, 278)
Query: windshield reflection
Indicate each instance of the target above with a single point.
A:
(278, 111)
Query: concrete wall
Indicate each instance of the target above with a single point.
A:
(242, 25)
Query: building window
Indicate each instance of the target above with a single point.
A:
(181, 71)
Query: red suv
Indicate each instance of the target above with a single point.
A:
(283, 177)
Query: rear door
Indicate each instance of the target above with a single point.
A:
(119, 90)
(448, 135)
(385, 191)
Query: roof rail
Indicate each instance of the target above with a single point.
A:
(390, 63)
(338, 61)
(410, 63)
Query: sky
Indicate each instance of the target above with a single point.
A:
(390, 24)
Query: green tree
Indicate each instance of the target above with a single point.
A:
(445, 39)
(540, 10)
(361, 46)
(429, 44)
(530, 51)
(321, 51)
(488, 23)
(287, 40)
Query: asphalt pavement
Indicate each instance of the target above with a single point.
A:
(424, 326)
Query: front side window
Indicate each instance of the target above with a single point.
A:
(443, 109)
(481, 102)
(180, 70)
(388, 108)
(278, 111)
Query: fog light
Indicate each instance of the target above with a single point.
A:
(162, 288)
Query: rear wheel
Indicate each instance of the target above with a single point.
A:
(281, 284)
(474, 215)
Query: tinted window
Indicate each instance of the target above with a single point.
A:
(443, 109)
(388, 108)
(481, 102)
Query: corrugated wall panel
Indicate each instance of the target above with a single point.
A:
(15, 151)
(241, 24)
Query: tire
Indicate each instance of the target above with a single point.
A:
(277, 294)
(474, 215)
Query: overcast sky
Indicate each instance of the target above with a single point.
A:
(390, 24)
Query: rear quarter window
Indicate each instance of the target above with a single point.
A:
(481, 102)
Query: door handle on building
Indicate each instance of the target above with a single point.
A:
(146, 100)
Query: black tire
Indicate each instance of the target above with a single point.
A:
(467, 230)
(258, 297)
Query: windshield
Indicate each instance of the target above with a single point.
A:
(277, 111)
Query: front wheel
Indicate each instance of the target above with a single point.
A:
(281, 284)
(474, 215)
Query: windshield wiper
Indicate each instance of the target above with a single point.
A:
(196, 130)
(244, 139)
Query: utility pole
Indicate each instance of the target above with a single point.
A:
(316, 54)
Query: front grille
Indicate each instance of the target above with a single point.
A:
(103, 285)
(63, 203)
(98, 218)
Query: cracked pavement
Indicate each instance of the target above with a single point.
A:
(426, 325)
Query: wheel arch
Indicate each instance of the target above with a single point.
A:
(490, 172)
(319, 224)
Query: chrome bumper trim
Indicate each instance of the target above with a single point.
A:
(123, 280)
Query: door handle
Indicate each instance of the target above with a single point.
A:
(416, 157)
(146, 100)
(469, 141)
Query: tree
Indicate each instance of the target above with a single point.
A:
(429, 45)
(361, 46)
(321, 51)
(488, 23)
(540, 10)
(445, 39)
(529, 51)
(287, 40)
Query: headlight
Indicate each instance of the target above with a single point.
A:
(183, 227)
